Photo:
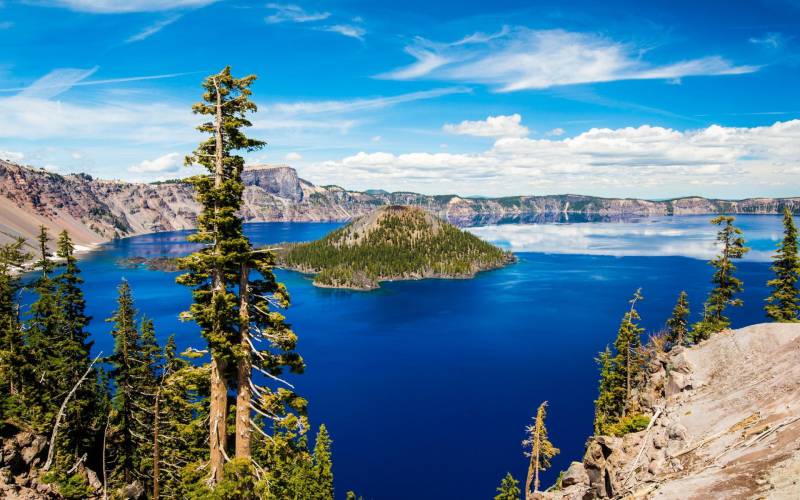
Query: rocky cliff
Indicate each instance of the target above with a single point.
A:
(95, 210)
(726, 424)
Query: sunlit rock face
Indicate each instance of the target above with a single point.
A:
(95, 210)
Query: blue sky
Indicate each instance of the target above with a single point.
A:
(649, 99)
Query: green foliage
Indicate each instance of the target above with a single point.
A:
(12, 346)
(620, 371)
(402, 243)
(678, 323)
(634, 422)
(323, 465)
(783, 305)
(508, 489)
(541, 449)
(134, 366)
(731, 243)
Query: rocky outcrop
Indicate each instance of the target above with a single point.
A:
(725, 424)
(21, 455)
(95, 210)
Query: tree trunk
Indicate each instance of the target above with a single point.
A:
(219, 389)
(243, 397)
(217, 418)
(156, 451)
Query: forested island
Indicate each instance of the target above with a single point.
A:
(393, 243)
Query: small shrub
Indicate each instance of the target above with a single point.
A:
(632, 423)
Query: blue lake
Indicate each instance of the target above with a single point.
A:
(426, 386)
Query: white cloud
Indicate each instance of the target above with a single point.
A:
(376, 138)
(170, 162)
(493, 126)
(60, 80)
(521, 58)
(345, 106)
(152, 29)
(556, 132)
(641, 161)
(11, 155)
(293, 13)
(293, 156)
(123, 6)
(347, 30)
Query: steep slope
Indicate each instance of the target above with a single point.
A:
(392, 243)
(97, 210)
(727, 426)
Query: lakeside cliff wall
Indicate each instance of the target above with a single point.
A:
(95, 210)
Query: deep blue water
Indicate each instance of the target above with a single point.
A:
(426, 386)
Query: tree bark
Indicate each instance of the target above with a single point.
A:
(219, 389)
(156, 451)
(244, 368)
(219, 404)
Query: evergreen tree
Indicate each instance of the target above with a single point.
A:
(214, 272)
(731, 243)
(541, 450)
(678, 323)
(508, 489)
(133, 371)
(43, 383)
(12, 347)
(783, 305)
(323, 467)
(75, 349)
(620, 371)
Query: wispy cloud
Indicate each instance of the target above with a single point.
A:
(60, 80)
(769, 40)
(347, 30)
(521, 58)
(344, 106)
(293, 14)
(152, 29)
(4, 25)
(493, 126)
(123, 6)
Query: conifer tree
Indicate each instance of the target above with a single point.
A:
(678, 323)
(620, 371)
(732, 247)
(74, 348)
(323, 467)
(214, 272)
(783, 305)
(508, 489)
(541, 450)
(133, 373)
(43, 384)
(12, 347)
(629, 340)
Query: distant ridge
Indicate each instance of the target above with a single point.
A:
(96, 210)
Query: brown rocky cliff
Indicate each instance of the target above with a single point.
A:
(98, 210)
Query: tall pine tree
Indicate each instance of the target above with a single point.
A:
(620, 371)
(678, 323)
(133, 370)
(12, 347)
(732, 247)
(783, 305)
(214, 272)
(541, 450)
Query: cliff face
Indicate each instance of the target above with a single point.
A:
(726, 425)
(97, 210)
